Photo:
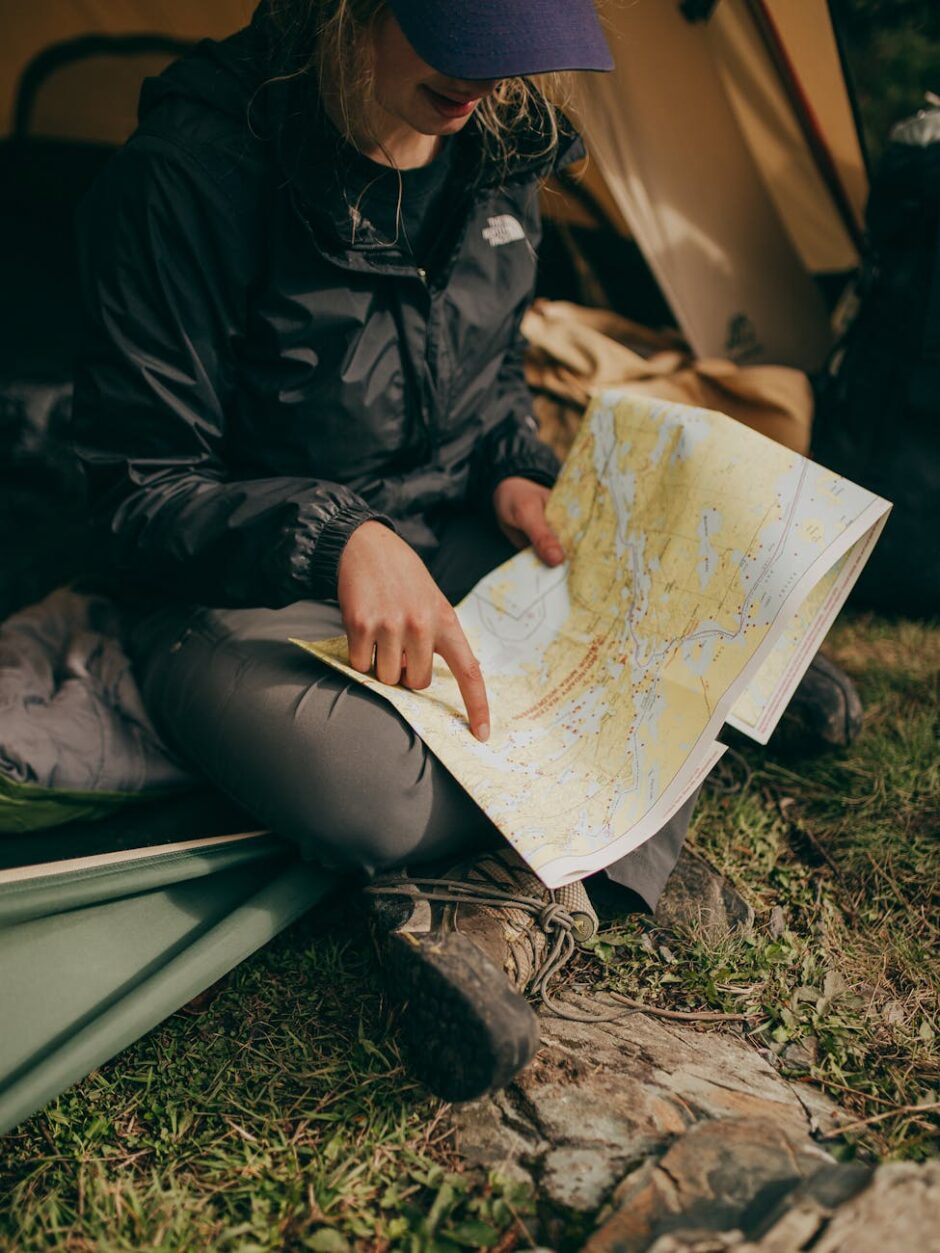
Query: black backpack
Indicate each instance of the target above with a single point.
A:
(878, 402)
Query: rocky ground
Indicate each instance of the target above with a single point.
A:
(655, 1136)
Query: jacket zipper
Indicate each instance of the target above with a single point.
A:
(426, 421)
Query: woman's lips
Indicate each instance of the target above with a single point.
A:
(448, 107)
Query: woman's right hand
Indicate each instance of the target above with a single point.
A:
(392, 608)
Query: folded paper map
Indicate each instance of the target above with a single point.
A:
(705, 565)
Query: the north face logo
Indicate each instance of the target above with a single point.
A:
(502, 230)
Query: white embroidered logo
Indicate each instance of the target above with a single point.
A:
(503, 229)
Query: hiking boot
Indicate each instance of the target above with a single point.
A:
(460, 951)
(698, 897)
(825, 711)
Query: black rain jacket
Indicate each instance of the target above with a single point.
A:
(254, 384)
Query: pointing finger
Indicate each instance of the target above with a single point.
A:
(455, 650)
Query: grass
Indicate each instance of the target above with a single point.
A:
(280, 1117)
(840, 857)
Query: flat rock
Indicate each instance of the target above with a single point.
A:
(838, 1209)
(651, 1136)
(900, 1209)
(601, 1099)
(717, 1182)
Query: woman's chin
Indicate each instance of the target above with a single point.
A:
(425, 125)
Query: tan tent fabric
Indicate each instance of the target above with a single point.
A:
(773, 133)
(29, 26)
(805, 27)
(669, 146)
(573, 350)
(108, 87)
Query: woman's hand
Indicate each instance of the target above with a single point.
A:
(520, 511)
(392, 607)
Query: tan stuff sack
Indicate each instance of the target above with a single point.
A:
(574, 350)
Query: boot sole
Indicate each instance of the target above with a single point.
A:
(464, 1030)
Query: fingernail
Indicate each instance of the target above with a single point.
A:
(483, 731)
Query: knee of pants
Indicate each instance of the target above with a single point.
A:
(387, 822)
(351, 814)
(359, 832)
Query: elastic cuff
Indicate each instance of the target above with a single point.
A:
(323, 576)
(537, 474)
(539, 464)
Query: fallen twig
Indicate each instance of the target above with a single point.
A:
(862, 1096)
(680, 1015)
(887, 1113)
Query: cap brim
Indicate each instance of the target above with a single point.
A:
(477, 39)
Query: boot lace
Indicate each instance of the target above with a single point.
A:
(553, 918)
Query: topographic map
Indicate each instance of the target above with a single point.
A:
(705, 563)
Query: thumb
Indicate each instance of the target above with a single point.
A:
(530, 518)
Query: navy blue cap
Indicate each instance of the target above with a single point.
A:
(504, 38)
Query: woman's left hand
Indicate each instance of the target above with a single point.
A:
(520, 511)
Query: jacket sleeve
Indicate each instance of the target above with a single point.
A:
(161, 242)
(512, 446)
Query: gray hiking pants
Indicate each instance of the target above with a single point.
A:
(317, 758)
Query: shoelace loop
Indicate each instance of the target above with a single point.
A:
(551, 916)
(555, 915)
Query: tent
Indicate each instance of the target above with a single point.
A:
(725, 143)
(726, 182)
(729, 146)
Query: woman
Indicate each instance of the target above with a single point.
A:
(301, 410)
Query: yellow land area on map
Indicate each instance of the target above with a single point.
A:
(693, 543)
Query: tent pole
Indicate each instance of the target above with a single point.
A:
(809, 125)
(69, 50)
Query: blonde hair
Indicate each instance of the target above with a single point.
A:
(338, 34)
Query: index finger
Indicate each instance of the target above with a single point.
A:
(453, 647)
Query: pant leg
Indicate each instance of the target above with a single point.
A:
(320, 759)
(471, 545)
(316, 757)
(647, 868)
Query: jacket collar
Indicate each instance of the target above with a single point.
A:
(308, 151)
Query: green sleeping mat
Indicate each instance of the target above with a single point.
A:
(107, 928)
